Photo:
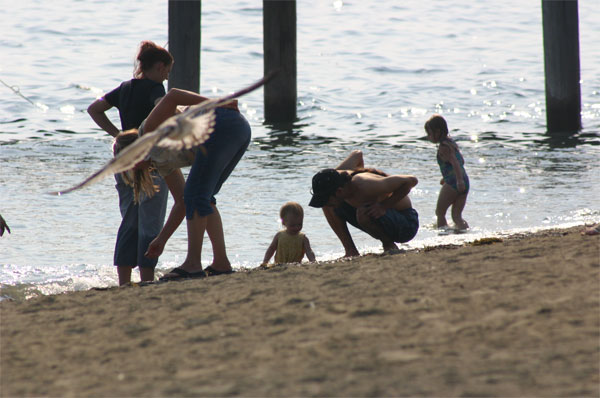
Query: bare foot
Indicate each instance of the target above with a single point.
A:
(461, 225)
(444, 230)
(394, 251)
(353, 253)
(593, 230)
(390, 247)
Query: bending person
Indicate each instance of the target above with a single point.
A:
(194, 198)
(368, 199)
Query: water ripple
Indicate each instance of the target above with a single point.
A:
(369, 76)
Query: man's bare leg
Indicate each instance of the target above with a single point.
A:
(369, 225)
(340, 228)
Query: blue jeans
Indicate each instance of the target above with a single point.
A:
(215, 162)
(141, 223)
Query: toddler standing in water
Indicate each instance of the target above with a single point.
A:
(455, 182)
(290, 245)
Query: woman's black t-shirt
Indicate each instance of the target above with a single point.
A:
(135, 99)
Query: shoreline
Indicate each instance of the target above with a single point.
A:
(28, 290)
(512, 316)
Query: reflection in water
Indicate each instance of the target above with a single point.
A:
(292, 135)
(570, 141)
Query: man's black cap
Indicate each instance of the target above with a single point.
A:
(324, 185)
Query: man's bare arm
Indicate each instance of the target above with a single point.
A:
(394, 188)
(399, 186)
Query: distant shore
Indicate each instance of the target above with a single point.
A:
(515, 317)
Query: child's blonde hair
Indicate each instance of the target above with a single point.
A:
(291, 208)
(139, 179)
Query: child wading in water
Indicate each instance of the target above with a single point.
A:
(290, 245)
(455, 182)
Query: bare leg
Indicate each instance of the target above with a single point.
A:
(457, 208)
(124, 273)
(214, 228)
(373, 229)
(146, 274)
(195, 231)
(341, 230)
(193, 261)
(446, 198)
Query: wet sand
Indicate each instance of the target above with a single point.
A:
(520, 317)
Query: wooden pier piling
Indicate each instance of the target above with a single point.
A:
(561, 62)
(184, 44)
(279, 45)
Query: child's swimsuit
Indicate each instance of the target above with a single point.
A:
(290, 248)
(447, 169)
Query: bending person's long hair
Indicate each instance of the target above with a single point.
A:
(139, 178)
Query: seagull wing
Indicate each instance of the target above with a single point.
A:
(191, 128)
(125, 160)
(185, 132)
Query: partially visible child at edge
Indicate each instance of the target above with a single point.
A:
(3, 226)
(455, 182)
(289, 245)
(143, 214)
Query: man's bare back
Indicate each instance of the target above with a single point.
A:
(367, 188)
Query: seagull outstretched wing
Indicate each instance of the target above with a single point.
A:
(191, 128)
(186, 130)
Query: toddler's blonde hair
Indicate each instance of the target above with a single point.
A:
(291, 208)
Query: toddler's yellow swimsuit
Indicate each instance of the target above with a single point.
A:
(290, 248)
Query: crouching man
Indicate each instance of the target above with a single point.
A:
(367, 198)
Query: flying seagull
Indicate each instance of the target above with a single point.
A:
(183, 131)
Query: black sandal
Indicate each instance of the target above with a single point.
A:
(182, 274)
(210, 271)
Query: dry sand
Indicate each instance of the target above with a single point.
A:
(514, 318)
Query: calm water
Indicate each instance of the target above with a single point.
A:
(369, 75)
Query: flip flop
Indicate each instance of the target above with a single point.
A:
(182, 274)
(210, 271)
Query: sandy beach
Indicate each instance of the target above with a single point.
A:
(518, 317)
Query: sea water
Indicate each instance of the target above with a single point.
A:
(369, 76)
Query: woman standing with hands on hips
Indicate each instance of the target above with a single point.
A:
(143, 213)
